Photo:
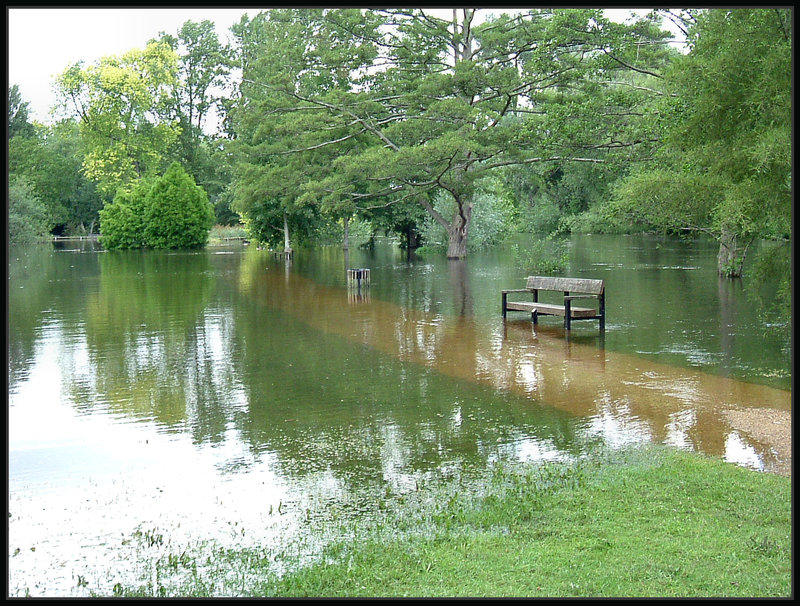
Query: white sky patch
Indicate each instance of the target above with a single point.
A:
(42, 42)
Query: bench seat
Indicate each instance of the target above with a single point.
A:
(547, 309)
(587, 289)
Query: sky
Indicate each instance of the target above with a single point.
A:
(42, 42)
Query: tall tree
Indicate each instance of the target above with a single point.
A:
(203, 66)
(123, 105)
(725, 164)
(275, 149)
(18, 124)
(433, 103)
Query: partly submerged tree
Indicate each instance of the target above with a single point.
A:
(169, 212)
(276, 156)
(122, 221)
(178, 213)
(725, 165)
(395, 105)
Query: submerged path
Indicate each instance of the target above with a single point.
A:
(628, 394)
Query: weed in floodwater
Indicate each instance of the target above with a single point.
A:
(645, 522)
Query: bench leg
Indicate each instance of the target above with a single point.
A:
(602, 312)
(535, 316)
(505, 297)
(567, 312)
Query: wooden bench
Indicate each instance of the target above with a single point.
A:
(587, 289)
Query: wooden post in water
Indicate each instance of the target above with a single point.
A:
(357, 277)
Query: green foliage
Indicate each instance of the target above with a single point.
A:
(773, 265)
(541, 216)
(542, 254)
(645, 195)
(725, 163)
(492, 220)
(28, 217)
(392, 106)
(177, 212)
(18, 125)
(122, 221)
(51, 158)
(169, 212)
(124, 107)
(203, 66)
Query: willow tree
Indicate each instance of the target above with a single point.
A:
(429, 103)
(724, 167)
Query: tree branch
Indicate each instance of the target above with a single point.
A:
(631, 67)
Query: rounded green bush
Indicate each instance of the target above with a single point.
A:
(170, 212)
(178, 213)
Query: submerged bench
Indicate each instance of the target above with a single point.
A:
(586, 289)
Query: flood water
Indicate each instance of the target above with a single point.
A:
(225, 394)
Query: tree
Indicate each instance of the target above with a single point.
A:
(169, 212)
(203, 65)
(421, 104)
(725, 164)
(51, 159)
(123, 104)
(284, 49)
(177, 212)
(28, 217)
(122, 221)
(18, 124)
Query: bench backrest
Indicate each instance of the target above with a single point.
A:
(580, 285)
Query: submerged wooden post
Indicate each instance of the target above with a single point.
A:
(357, 277)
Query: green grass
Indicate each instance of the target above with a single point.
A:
(218, 233)
(647, 522)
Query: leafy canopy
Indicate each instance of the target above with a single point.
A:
(168, 212)
(123, 104)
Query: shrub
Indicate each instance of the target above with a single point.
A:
(543, 254)
(122, 221)
(170, 212)
(178, 213)
(28, 218)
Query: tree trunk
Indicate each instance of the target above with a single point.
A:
(412, 237)
(458, 230)
(346, 240)
(287, 246)
(730, 259)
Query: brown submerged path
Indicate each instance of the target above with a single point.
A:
(620, 392)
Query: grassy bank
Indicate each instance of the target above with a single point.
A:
(647, 522)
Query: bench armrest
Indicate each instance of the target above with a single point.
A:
(517, 290)
(570, 297)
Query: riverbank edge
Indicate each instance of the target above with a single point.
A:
(649, 521)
